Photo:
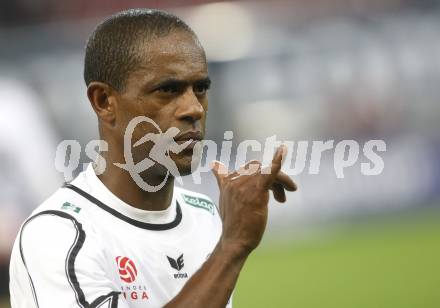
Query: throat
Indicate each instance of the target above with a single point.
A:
(122, 185)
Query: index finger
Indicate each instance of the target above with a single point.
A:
(270, 173)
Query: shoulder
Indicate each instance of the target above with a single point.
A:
(57, 229)
(50, 230)
(54, 250)
(55, 224)
(61, 205)
(55, 221)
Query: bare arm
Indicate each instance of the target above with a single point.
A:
(244, 196)
(213, 283)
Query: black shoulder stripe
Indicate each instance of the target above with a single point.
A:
(139, 224)
(70, 263)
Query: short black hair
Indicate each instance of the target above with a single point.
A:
(112, 50)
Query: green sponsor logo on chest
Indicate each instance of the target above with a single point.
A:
(199, 202)
(70, 206)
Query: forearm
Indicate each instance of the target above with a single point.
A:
(213, 283)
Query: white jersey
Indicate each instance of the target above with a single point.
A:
(84, 247)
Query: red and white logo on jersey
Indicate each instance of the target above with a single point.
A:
(127, 269)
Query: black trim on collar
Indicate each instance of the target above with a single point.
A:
(136, 223)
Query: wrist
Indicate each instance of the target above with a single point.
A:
(233, 249)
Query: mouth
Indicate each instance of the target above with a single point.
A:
(193, 136)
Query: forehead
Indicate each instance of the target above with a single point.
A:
(177, 55)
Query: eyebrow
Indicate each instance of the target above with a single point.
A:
(181, 83)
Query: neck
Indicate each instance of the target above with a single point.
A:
(120, 183)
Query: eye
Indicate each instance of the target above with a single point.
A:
(169, 89)
(201, 88)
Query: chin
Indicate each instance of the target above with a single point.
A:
(184, 167)
(185, 171)
(184, 163)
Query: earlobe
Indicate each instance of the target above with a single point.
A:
(101, 97)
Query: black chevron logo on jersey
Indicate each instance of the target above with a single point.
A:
(177, 264)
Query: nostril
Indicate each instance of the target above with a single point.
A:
(189, 119)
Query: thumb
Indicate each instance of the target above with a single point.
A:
(219, 170)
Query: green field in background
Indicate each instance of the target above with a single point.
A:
(391, 263)
(386, 263)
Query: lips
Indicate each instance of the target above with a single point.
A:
(191, 135)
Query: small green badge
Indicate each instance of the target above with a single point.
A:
(70, 206)
(199, 202)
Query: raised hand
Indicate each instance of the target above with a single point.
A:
(244, 196)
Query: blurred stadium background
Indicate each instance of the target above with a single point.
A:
(304, 70)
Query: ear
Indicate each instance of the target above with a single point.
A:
(103, 100)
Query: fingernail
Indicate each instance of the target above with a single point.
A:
(282, 149)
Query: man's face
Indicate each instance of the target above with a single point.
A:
(170, 88)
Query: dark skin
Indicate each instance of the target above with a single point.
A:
(170, 88)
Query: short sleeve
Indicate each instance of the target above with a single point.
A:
(64, 268)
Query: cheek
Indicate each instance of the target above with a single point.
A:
(164, 116)
(127, 111)
(142, 107)
(160, 119)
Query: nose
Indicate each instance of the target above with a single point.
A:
(189, 108)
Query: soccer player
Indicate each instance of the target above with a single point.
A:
(101, 240)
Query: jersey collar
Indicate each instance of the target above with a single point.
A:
(96, 192)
